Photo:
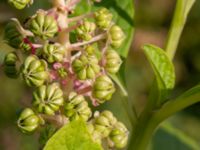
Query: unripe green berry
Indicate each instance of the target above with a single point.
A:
(19, 4)
(14, 38)
(119, 135)
(43, 25)
(116, 36)
(62, 72)
(28, 121)
(10, 67)
(86, 67)
(48, 99)
(34, 71)
(113, 61)
(77, 107)
(103, 18)
(53, 53)
(25, 47)
(104, 123)
(103, 89)
(90, 50)
(85, 30)
(12, 35)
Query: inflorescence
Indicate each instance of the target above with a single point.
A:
(67, 61)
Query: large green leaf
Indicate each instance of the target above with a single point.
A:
(73, 136)
(163, 69)
(170, 138)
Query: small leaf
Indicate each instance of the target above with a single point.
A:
(73, 136)
(161, 65)
(173, 139)
(82, 7)
(163, 69)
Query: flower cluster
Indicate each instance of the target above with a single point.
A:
(104, 125)
(67, 61)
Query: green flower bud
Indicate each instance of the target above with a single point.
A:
(119, 135)
(103, 18)
(34, 71)
(104, 123)
(103, 89)
(28, 121)
(25, 47)
(19, 4)
(90, 50)
(113, 61)
(12, 35)
(14, 38)
(77, 107)
(86, 67)
(48, 99)
(62, 72)
(43, 25)
(10, 67)
(85, 30)
(53, 53)
(116, 36)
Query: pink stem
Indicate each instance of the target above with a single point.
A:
(94, 39)
(79, 18)
(85, 90)
(71, 28)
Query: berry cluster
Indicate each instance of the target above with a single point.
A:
(67, 61)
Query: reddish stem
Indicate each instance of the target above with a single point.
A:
(79, 18)
(84, 90)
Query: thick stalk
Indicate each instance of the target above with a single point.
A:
(57, 120)
(143, 133)
(79, 18)
(94, 39)
(182, 9)
(149, 120)
(147, 126)
(171, 107)
(181, 12)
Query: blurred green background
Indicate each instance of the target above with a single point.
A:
(152, 21)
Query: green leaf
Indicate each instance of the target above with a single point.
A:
(82, 8)
(162, 67)
(119, 81)
(170, 138)
(73, 136)
(182, 10)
